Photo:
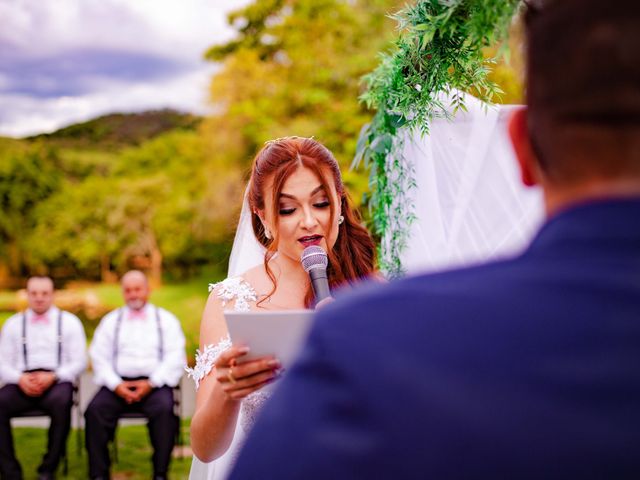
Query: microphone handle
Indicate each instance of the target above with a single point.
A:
(320, 283)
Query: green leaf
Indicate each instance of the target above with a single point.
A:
(382, 144)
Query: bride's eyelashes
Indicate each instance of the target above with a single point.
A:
(284, 211)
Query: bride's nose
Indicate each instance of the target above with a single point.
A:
(309, 220)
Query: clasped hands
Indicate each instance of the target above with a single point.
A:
(133, 391)
(35, 384)
(239, 379)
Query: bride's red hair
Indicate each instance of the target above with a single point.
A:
(353, 256)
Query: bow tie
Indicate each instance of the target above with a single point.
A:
(40, 318)
(136, 314)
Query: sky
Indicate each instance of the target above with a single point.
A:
(67, 61)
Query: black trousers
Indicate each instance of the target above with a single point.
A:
(101, 420)
(56, 402)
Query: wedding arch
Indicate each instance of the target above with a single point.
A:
(442, 180)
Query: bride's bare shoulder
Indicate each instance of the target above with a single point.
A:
(258, 279)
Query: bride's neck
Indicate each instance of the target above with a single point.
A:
(289, 270)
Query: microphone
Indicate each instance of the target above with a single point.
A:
(314, 261)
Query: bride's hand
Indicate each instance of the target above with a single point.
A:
(241, 379)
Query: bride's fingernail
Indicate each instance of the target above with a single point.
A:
(273, 363)
(244, 350)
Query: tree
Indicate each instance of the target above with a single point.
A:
(155, 206)
(295, 69)
(171, 199)
(28, 175)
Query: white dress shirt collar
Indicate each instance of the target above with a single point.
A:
(51, 313)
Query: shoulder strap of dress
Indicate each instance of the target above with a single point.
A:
(235, 289)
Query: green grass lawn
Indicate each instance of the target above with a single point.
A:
(6, 297)
(134, 454)
(4, 316)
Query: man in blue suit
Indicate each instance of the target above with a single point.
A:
(522, 369)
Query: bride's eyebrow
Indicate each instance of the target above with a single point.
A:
(292, 197)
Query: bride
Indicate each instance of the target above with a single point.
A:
(295, 198)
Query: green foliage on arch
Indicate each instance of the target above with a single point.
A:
(439, 50)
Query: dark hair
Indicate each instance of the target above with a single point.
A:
(583, 87)
(353, 256)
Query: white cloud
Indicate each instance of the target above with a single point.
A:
(176, 30)
(168, 27)
(30, 115)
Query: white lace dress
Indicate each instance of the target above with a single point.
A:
(237, 291)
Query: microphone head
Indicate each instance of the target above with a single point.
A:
(314, 257)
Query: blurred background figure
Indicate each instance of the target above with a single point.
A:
(42, 352)
(138, 355)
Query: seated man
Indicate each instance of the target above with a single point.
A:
(138, 355)
(42, 352)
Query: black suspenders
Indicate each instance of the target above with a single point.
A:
(59, 338)
(24, 339)
(116, 337)
(160, 337)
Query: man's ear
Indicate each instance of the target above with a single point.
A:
(519, 134)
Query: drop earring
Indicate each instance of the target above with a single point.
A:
(340, 219)
(267, 233)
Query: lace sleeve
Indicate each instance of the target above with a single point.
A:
(229, 290)
(206, 359)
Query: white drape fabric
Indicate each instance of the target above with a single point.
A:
(246, 252)
(469, 201)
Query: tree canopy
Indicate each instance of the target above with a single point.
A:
(162, 190)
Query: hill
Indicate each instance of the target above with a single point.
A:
(119, 130)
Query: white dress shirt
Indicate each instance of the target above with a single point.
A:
(142, 347)
(42, 346)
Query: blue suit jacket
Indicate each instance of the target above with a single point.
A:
(525, 368)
